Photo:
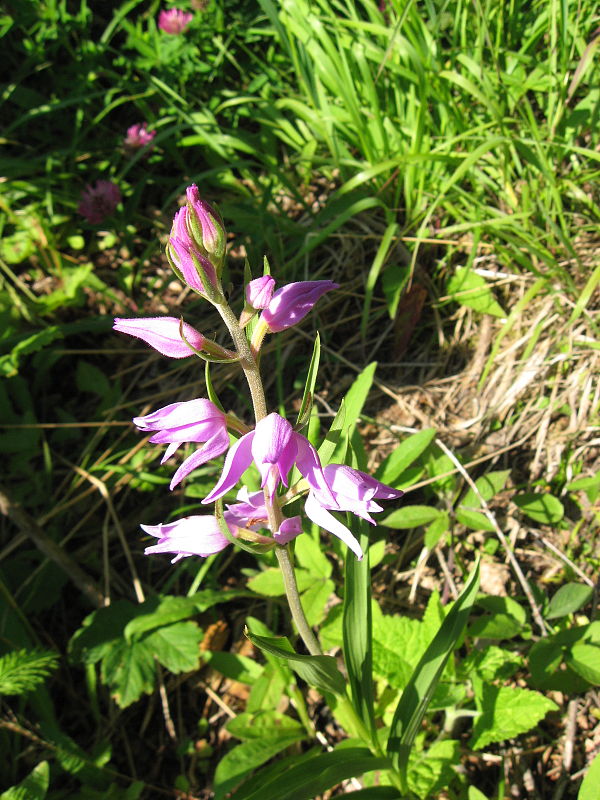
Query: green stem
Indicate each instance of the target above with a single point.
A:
(252, 373)
(293, 597)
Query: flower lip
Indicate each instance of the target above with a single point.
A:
(189, 536)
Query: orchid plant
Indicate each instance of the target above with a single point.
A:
(290, 467)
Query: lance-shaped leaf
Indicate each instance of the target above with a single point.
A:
(420, 688)
(318, 671)
(309, 388)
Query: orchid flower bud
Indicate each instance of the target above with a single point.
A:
(260, 291)
(206, 229)
(292, 303)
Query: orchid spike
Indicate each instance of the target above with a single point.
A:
(274, 447)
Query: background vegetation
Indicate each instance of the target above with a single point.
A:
(437, 159)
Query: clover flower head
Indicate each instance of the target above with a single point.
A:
(174, 20)
(138, 136)
(98, 202)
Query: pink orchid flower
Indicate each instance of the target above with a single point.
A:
(189, 421)
(189, 536)
(162, 333)
(292, 303)
(274, 447)
(98, 202)
(174, 20)
(260, 291)
(185, 255)
(250, 512)
(352, 491)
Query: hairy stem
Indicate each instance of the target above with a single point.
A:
(251, 371)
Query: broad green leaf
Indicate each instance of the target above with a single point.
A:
(315, 599)
(333, 436)
(568, 599)
(404, 455)
(32, 787)
(9, 363)
(492, 663)
(309, 554)
(176, 646)
(547, 659)
(245, 757)
(585, 660)
(357, 627)
(435, 530)
(266, 723)
(129, 670)
(234, 666)
(269, 582)
(267, 690)
(583, 484)
(506, 619)
(309, 388)
(334, 446)
(100, 630)
(157, 612)
(89, 378)
(507, 712)
(470, 289)
(488, 486)
(475, 794)
(318, 671)
(589, 787)
(475, 520)
(432, 770)
(305, 779)
(421, 686)
(411, 517)
(544, 508)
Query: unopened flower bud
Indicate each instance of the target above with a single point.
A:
(194, 268)
(206, 229)
(260, 291)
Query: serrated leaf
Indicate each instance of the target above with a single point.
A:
(405, 454)
(470, 289)
(507, 712)
(176, 646)
(129, 670)
(568, 599)
(544, 508)
(432, 770)
(22, 671)
(589, 787)
(100, 630)
(411, 517)
(157, 612)
(265, 723)
(585, 660)
(318, 671)
(32, 787)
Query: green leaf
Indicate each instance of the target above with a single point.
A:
(309, 554)
(585, 660)
(506, 619)
(488, 486)
(475, 520)
(568, 599)
(21, 671)
(544, 508)
(100, 630)
(421, 686)
(315, 599)
(234, 666)
(357, 627)
(89, 378)
(334, 447)
(129, 670)
(269, 582)
(318, 671)
(475, 794)
(245, 757)
(433, 770)
(307, 778)
(411, 517)
(547, 659)
(268, 690)
(436, 530)
(176, 646)
(589, 786)
(309, 388)
(33, 787)
(404, 455)
(157, 612)
(507, 712)
(265, 723)
(9, 363)
(470, 289)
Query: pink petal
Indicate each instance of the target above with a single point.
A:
(290, 528)
(189, 536)
(237, 461)
(162, 333)
(321, 517)
(213, 448)
(309, 464)
(260, 291)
